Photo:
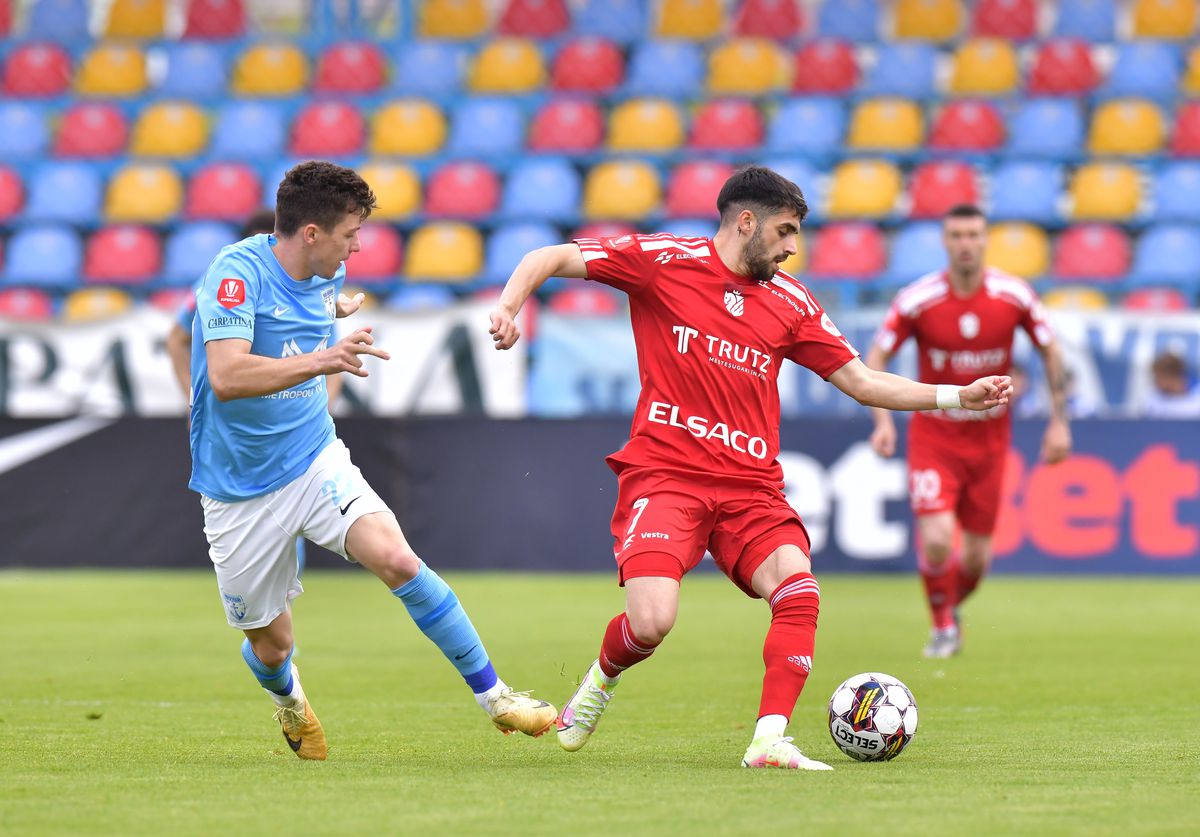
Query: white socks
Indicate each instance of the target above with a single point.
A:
(292, 697)
(770, 725)
(485, 698)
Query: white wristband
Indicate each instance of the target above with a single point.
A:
(948, 397)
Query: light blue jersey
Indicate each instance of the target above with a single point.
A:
(248, 447)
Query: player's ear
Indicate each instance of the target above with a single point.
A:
(747, 222)
(310, 233)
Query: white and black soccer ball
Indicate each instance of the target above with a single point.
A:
(872, 717)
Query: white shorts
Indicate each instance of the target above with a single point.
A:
(252, 543)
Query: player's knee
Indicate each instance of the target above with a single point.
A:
(651, 626)
(272, 651)
(937, 550)
(398, 565)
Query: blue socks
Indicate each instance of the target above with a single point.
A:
(277, 680)
(434, 607)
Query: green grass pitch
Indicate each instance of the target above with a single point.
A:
(126, 708)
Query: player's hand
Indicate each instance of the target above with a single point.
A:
(347, 306)
(986, 393)
(883, 439)
(504, 329)
(1056, 443)
(345, 354)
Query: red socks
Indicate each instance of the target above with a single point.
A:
(788, 649)
(966, 583)
(621, 648)
(941, 589)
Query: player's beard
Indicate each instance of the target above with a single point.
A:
(759, 263)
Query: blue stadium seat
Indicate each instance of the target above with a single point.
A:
(1026, 190)
(429, 68)
(904, 68)
(806, 177)
(47, 255)
(71, 193)
(1088, 20)
(487, 126)
(1168, 254)
(850, 20)
(421, 298)
(547, 189)
(689, 228)
(1051, 128)
(509, 243)
(195, 70)
(1148, 69)
(674, 69)
(916, 250)
(1176, 186)
(64, 21)
(810, 127)
(23, 132)
(249, 130)
(191, 249)
(623, 21)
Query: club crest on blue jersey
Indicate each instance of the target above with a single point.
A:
(329, 297)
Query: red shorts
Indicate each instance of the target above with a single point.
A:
(947, 472)
(664, 522)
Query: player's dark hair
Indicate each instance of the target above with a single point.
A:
(262, 221)
(762, 191)
(965, 210)
(320, 193)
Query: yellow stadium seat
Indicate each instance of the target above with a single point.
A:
(1164, 18)
(864, 189)
(508, 65)
(1076, 299)
(445, 252)
(136, 19)
(891, 124)
(1191, 79)
(458, 19)
(112, 70)
(95, 304)
(170, 130)
(270, 70)
(985, 67)
(1017, 248)
(645, 125)
(408, 128)
(620, 190)
(397, 190)
(1105, 192)
(748, 66)
(1127, 126)
(696, 20)
(148, 193)
(928, 20)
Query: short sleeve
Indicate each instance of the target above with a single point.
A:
(819, 345)
(895, 330)
(1033, 320)
(623, 263)
(225, 300)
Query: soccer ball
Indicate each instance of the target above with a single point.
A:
(872, 717)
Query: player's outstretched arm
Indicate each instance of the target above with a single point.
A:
(235, 373)
(535, 268)
(883, 437)
(873, 388)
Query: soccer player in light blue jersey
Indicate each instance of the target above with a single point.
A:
(269, 466)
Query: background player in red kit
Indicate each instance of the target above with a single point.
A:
(713, 319)
(963, 320)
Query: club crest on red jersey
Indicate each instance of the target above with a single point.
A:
(735, 303)
(231, 292)
(968, 324)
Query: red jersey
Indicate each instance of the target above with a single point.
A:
(709, 345)
(960, 339)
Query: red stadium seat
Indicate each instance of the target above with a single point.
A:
(938, 186)
(585, 301)
(1092, 251)
(122, 255)
(847, 250)
(5, 17)
(351, 68)
(967, 126)
(37, 70)
(1013, 19)
(26, 304)
(604, 229)
(826, 66)
(1156, 300)
(534, 18)
(462, 190)
(223, 192)
(380, 257)
(12, 193)
(693, 188)
(588, 65)
(778, 19)
(171, 299)
(1063, 68)
(730, 124)
(215, 19)
(91, 130)
(567, 126)
(328, 129)
(1185, 137)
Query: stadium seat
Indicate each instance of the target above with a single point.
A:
(1020, 249)
(1092, 251)
(1026, 190)
(63, 21)
(588, 65)
(44, 255)
(36, 71)
(12, 193)
(328, 129)
(623, 21)
(249, 131)
(1167, 19)
(1156, 301)
(905, 69)
(581, 301)
(864, 189)
(603, 229)
(567, 126)
(352, 67)
(144, 193)
(886, 124)
(1176, 186)
(938, 186)
(407, 128)
(542, 188)
(397, 190)
(806, 177)
(1149, 69)
(91, 304)
(223, 192)
(747, 67)
(507, 65)
(444, 252)
(695, 20)
(5, 18)
(214, 19)
(270, 70)
(415, 298)
(462, 190)
(1012, 19)
(452, 19)
(1063, 67)
(928, 20)
(645, 125)
(1185, 135)
(985, 67)
(850, 20)
(1127, 126)
(381, 255)
(67, 192)
(1190, 85)
(825, 66)
(170, 129)
(847, 251)
(483, 127)
(112, 71)
(136, 19)
(91, 129)
(813, 127)
(967, 126)
(1105, 192)
(191, 248)
(781, 20)
(23, 133)
(726, 126)
(429, 68)
(1168, 255)
(917, 249)
(534, 18)
(508, 244)
(693, 188)
(1051, 128)
(194, 71)
(1094, 21)
(28, 305)
(1075, 298)
(125, 255)
(618, 190)
(674, 69)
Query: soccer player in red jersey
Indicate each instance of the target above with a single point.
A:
(713, 320)
(963, 319)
